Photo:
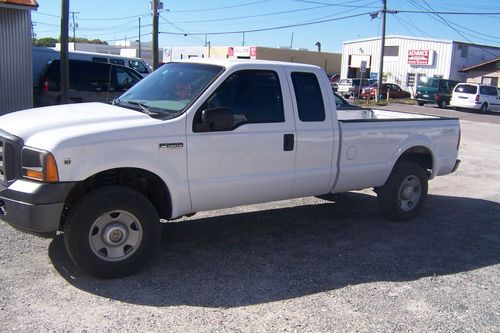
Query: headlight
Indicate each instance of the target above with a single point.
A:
(39, 165)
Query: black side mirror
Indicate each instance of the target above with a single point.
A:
(217, 119)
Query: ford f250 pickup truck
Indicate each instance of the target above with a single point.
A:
(200, 135)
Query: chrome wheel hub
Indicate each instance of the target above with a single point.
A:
(410, 192)
(115, 235)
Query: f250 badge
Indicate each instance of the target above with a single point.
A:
(171, 146)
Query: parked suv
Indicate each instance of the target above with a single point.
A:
(435, 90)
(353, 87)
(88, 82)
(476, 96)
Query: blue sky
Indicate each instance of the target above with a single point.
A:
(344, 20)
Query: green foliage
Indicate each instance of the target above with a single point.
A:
(45, 42)
(51, 42)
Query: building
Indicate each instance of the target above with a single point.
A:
(16, 82)
(328, 61)
(408, 59)
(485, 73)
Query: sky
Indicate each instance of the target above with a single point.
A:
(285, 23)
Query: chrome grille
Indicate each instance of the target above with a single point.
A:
(10, 148)
(2, 167)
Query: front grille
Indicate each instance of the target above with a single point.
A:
(10, 152)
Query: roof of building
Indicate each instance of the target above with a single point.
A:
(24, 4)
(399, 37)
(466, 69)
(420, 39)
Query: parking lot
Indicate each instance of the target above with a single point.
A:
(308, 265)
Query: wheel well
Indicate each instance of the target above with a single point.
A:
(145, 182)
(419, 155)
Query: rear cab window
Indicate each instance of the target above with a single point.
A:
(310, 106)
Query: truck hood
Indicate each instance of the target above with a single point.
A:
(46, 127)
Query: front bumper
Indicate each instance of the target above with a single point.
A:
(34, 207)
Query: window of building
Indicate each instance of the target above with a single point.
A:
(464, 50)
(391, 51)
(410, 79)
(308, 95)
(492, 81)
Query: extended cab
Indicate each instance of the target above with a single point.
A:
(200, 135)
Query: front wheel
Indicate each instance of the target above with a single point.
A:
(420, 103)
(112, 232)
(404, 193)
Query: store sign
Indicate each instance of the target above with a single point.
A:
(243, 52)
(420, 57)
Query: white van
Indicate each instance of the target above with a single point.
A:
(475, 96)
(42, 55)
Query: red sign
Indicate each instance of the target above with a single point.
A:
(418, 57)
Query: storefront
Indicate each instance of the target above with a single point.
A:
(408, 59)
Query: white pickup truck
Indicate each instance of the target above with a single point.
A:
(201, 135)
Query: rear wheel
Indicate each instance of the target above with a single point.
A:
(404, 193)
(420, 103)
(112, 231)
(441, 104)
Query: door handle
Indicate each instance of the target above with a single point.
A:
(288, 142)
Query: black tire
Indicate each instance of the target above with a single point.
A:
(112, 232)
(441, 104)
(404, 192)
(484, 108)
(420, 103)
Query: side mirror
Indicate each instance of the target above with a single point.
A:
(219, 118)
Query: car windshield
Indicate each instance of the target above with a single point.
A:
(170, 89)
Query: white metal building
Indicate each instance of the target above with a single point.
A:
(16, 88)
(406, 59)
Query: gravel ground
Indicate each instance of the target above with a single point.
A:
(303, 265)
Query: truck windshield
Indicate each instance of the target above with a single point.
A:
(170, 89)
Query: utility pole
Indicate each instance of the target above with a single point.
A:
(243, 41)
(382, 49)
(140, 50)
(155, 34)
(74, 25)
(64, 63)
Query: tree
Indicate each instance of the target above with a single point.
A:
(45, 42)
(51, 42)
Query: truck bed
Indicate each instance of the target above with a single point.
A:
(384, 115)
(372, 139)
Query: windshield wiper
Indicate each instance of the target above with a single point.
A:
(144, 108)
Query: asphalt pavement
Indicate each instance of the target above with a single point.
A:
(302, 265)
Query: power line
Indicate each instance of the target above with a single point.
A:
(218, 8)
(457, 31)
(96, 19)
(263, 29)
